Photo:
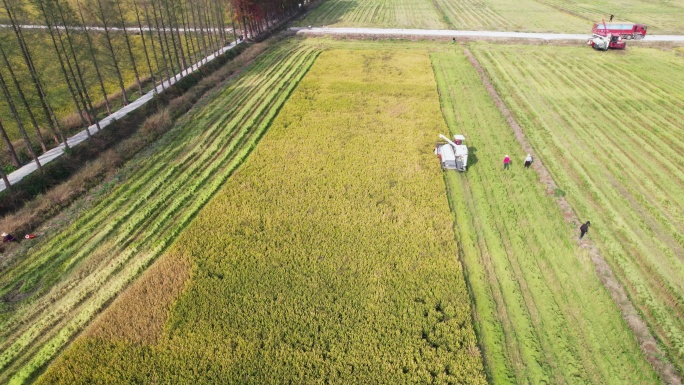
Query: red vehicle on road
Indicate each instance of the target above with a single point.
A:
(627, 31)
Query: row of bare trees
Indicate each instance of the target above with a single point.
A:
(92, 54)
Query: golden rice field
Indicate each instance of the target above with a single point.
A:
(328, 256)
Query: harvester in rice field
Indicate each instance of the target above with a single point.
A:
(614, 35)
(453, 155)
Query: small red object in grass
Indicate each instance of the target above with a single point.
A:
(29, 236)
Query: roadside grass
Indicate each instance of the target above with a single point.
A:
(608, 127)
(327, 257)
(65, 280)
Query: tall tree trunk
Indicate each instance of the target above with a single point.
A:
(147, 56)
(166, 41)
(188, 33)
(20, 124)
(79, 89)
(22, 97)
(10, 147)
(130, 51)
(91, 49)
(26, 54)
(178, 36)
(4, 179)
(154, 50)
(201, 27)
(232, 19)
(166, 55)
(221, 14)
(68, 80)
(87, 97)
(173, 37)
(112, 54)
(210, 27)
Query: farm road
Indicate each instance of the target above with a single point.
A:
(467, 34)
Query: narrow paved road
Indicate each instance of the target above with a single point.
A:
(469, 34)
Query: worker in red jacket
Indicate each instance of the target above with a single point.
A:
(507, 162)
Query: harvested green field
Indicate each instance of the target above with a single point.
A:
(327, 257)
(383, 14)
(609, 128)
(52, 290)
(541, 312)
(498, 15)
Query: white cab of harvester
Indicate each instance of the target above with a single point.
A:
(453, 155)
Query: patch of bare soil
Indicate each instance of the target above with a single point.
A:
(646, 341)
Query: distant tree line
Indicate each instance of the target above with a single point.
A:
(97, 47)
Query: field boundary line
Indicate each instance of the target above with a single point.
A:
(643, 335)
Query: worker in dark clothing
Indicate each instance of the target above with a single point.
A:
(611, 18)
(8, 238)
(584, 228)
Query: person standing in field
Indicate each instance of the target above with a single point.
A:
(507, 162)
(611, 18)
(528, 161)
(584, 228)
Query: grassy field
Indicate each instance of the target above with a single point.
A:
(58, 284)
(52, 78)
(498, 15)
(609, 129)
(328, 257)
(541, 312)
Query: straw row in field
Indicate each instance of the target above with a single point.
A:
(75, 272)
(541, 312)
(609, 129)
(328, 257)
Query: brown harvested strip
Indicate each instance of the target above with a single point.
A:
(646, 341)
(139, 313)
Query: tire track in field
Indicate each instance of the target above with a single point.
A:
(644, 337)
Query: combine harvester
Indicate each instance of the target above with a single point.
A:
(613, 35)
(452, 155)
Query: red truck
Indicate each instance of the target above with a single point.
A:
(627, 31)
